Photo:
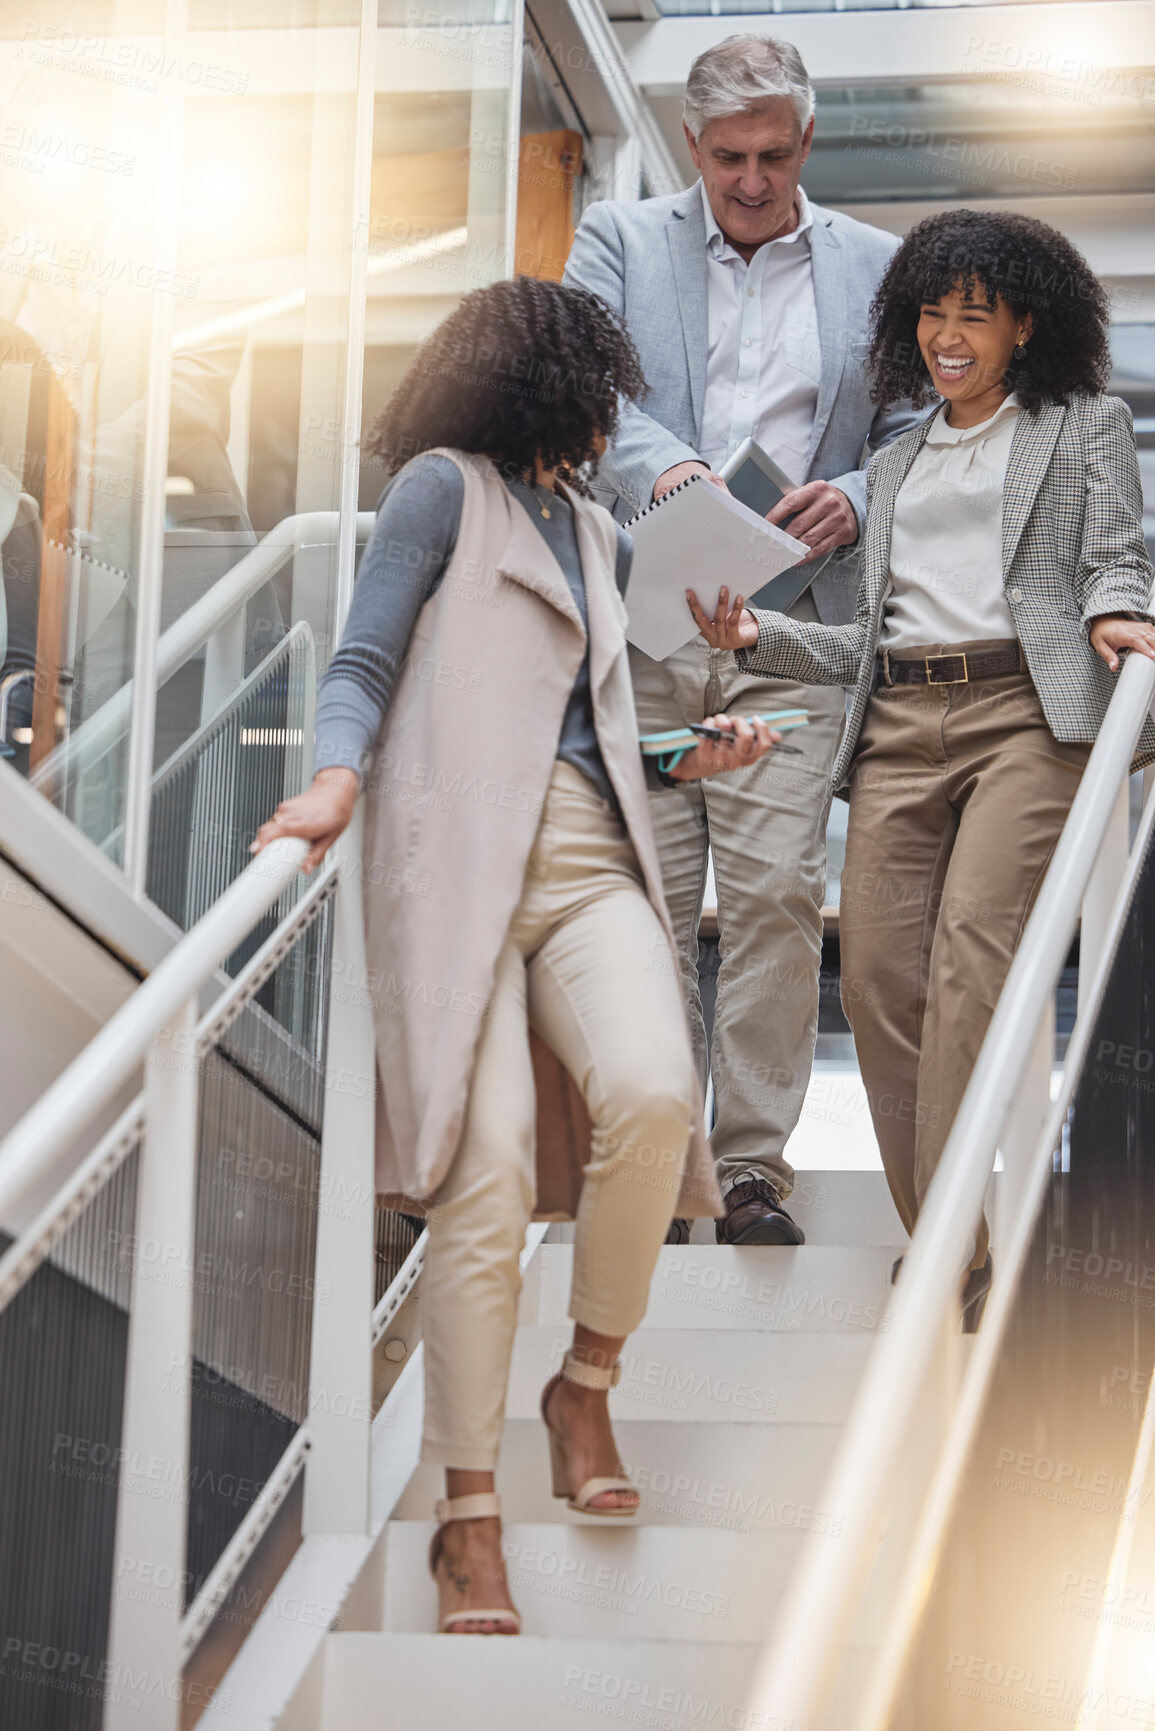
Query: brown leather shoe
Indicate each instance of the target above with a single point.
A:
(754, 1215)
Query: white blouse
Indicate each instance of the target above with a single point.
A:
(946, 556)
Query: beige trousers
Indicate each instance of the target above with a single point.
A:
(766, 828)
(957, 797)
(587, 964)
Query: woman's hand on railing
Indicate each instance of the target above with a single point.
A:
(317, 815)
(749, 739)
(1114, 631)
(732, 626)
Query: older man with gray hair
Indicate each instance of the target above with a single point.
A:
(749, 307)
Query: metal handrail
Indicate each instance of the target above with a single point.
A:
(196, 625)
(112, 1056)
(7, 686)
(800, 1662)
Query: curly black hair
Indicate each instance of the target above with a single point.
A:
(520, 369)
(1029, 265)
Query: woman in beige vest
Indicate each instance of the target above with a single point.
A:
(531, 1037)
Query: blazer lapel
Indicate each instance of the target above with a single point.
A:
(1030, 453)
(686, 234)
(826, 266)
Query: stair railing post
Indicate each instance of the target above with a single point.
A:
(144, 1685)
(341, 1370)
(224, 665)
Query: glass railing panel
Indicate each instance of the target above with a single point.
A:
(187, 213)
(197, 185)
(443, 196)
(80, 300)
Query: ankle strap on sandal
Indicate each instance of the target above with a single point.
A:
(591, 1375)
(477, 1507)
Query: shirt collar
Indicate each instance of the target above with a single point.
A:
(941, 433)
(719, 247)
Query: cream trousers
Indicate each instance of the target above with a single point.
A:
(587, 964)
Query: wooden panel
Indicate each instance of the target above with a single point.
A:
(428, 190)
(547, 164)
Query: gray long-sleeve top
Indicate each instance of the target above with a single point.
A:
(408, 552)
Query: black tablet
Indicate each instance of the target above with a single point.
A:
(756, 480)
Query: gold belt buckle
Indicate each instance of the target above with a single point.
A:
(964, 679)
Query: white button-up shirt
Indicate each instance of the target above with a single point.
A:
(946, 539)
(764, 356)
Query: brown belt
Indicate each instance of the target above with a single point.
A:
(957, 669)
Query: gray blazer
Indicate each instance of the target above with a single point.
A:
(648, 261)
(1072, 548)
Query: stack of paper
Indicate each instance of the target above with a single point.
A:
(696, 537)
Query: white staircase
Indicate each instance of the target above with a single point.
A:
(732, 1399)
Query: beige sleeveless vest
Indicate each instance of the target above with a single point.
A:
(453, 801)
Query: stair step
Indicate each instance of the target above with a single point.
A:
(845, 1208)
(611, 1581)
(809, 1289)
(848, 1208)
(726, 1477)
(547, 1683)
(735, 1375)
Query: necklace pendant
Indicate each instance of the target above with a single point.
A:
(544, 510)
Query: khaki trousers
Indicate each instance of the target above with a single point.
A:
(587, 964)
(957, 797)
(766, 828)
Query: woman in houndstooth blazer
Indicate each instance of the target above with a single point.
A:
(1003, 573)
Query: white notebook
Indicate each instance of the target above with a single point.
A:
(696, 537)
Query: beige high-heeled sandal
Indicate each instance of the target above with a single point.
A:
(586, 1376)
(478, 1507)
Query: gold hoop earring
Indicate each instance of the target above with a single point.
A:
(1020, 351)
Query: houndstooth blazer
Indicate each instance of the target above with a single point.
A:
(1072, 549)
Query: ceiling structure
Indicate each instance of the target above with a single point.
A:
(1042, 107)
